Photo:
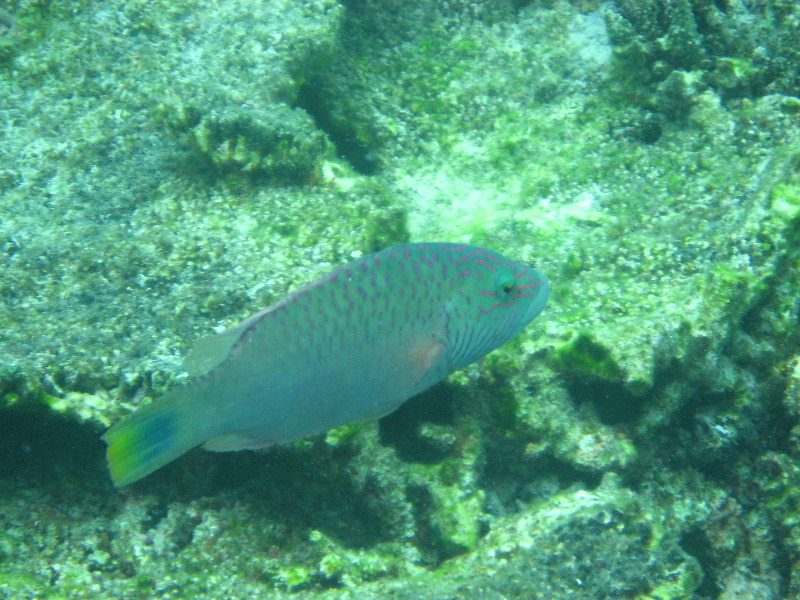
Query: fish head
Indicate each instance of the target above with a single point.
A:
(520, 290)
(493, 300)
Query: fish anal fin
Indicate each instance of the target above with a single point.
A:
(230, 442)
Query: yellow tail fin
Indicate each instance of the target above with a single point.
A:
(149, 438)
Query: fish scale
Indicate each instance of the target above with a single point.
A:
(348, 347)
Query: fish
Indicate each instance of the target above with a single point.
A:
(349, 347)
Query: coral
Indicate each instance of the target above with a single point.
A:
(738, 49)
(679, 93)
(279, 143)
(618, 518)
(741, 587)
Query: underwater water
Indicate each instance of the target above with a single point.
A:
(168, 169)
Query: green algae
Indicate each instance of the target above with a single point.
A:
(22, 584)
(581, 353)
(686, 578)
(785, 200)
(282, 145)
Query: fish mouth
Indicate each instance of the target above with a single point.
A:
(542, 294)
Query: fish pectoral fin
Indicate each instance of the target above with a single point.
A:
(425, 357)
(230, 442)
(429, 354)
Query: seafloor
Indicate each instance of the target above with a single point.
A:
(169, 167)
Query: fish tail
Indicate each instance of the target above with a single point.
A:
(150, 438)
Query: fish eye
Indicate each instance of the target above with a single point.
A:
(505, 282)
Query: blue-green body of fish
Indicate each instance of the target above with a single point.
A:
(351, 346)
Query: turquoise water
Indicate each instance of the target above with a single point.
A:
(167, 169)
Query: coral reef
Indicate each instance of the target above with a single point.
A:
(197, 160)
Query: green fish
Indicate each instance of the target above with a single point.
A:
(348, 347)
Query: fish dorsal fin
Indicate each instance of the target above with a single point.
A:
(212, 350)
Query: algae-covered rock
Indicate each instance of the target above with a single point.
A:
(219, 545)
(554, 549)
(280, 143)
(739, 49)
(235, 81)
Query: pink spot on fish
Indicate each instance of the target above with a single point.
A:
(491, 257)
(479, 261)
(494, 306)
